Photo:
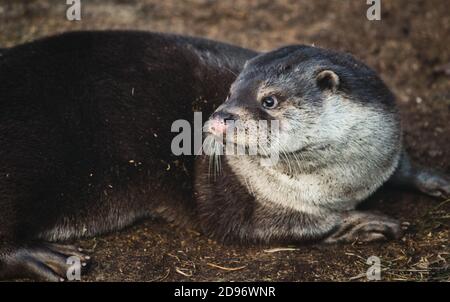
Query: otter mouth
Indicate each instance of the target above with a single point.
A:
(222, 140)
(223, 146)
(219, 133)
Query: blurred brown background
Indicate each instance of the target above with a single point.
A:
(409, 47)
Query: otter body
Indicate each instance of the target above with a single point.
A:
(85, 136)
(86, 144)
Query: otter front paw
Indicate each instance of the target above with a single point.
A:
(365, 227)
(43, 262)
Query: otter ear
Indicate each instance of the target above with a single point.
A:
(328, 79)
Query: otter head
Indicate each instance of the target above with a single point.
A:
(320, 99)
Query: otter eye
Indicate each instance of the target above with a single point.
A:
(269, 102)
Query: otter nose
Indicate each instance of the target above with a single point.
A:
(220, 120)
(223, 116)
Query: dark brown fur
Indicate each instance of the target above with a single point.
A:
(85, 135)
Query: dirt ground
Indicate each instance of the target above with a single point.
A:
(408, 47)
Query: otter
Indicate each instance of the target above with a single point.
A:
(85, 135)
(339, 140)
